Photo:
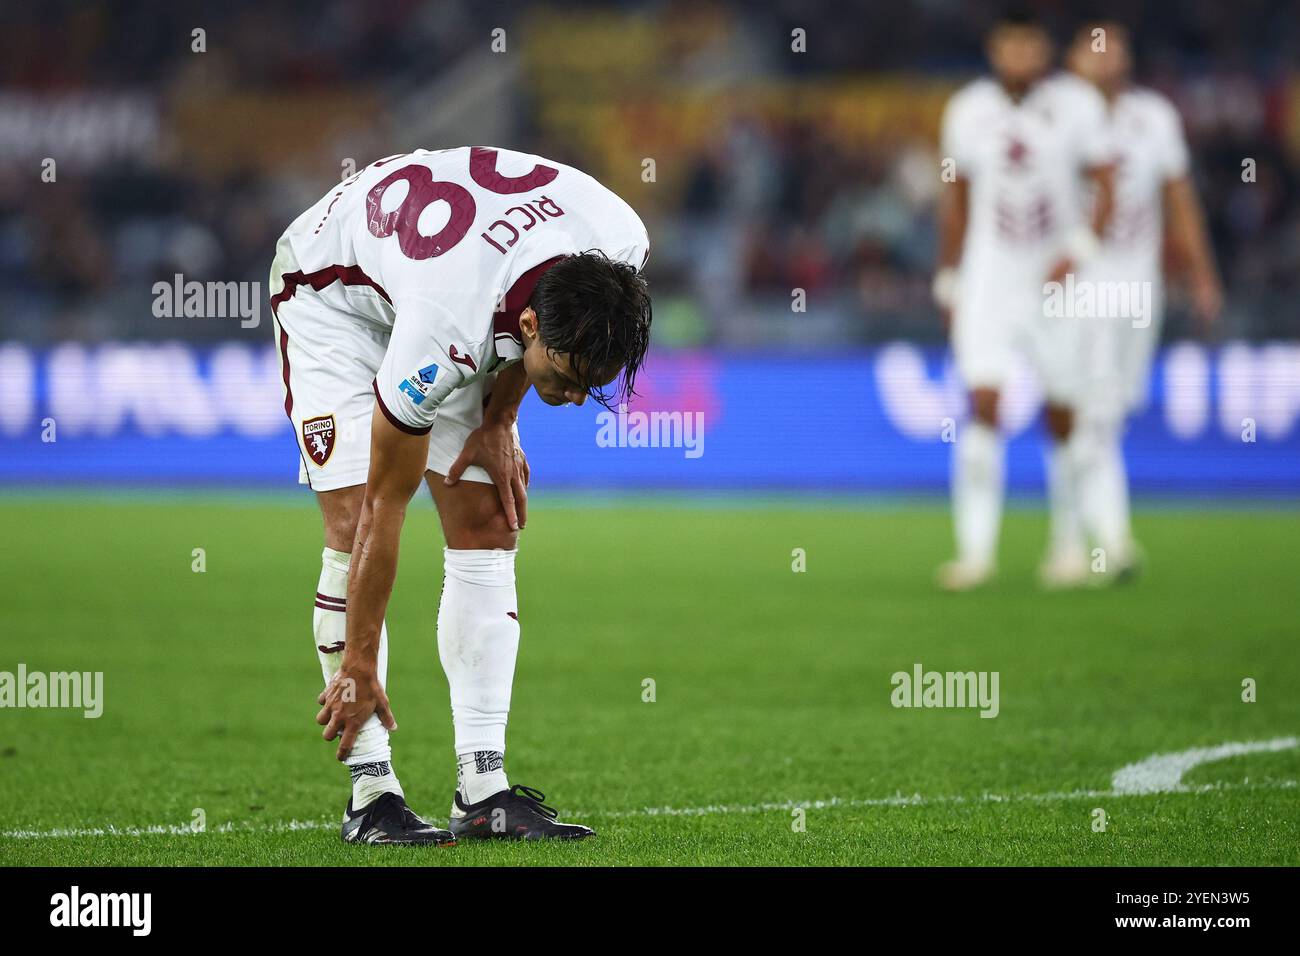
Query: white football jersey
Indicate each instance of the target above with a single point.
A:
(1149, 150)
(441, 249)
(1024, 161)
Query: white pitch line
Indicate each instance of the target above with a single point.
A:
(1159, 773)
(919, 800)
(843, 803)
(721, 809)
(169, 829)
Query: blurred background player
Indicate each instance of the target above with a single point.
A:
(1011, 220)
(1153, 194)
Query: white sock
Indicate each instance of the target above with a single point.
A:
(478, 640)
(977, 486)
(1104, 495)
(369, 762)
(1117, 521)
(1065, 529)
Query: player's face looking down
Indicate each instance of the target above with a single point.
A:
(552, 374)
(1020, 55)
(587, 324)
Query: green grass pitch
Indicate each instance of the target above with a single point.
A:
(772, 688)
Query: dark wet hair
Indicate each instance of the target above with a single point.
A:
(1017, 15)
(1083, 31)
(597, 311)
(1020, 16)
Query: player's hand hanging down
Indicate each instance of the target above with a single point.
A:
(348, 702)
(494, 448)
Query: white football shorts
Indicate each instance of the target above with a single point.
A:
(329, 359)
(1118, 351)
(1000, 315)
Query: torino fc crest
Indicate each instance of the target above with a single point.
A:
(318, 438)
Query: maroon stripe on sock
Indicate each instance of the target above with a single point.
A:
(331, 607)
(330, 597)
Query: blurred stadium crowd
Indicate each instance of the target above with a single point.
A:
(758, 169)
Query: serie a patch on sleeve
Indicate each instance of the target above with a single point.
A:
(419, 384)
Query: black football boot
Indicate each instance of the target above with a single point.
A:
(389, 820)
(514, 814)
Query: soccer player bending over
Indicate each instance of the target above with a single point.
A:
(415, 304)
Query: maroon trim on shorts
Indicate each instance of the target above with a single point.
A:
(393, 420)
(320, 279)
(348, 275)
(284, 370)
(288, 393)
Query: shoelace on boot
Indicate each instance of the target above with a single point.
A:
(533, 799)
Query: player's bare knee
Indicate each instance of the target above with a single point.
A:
(984, 406)
(472, 516)
(485, 535)
(340, 511)
(1060, 421)
(341, 531)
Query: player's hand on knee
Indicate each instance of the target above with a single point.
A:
(524, 470)
(519, 483)
(493, 448)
